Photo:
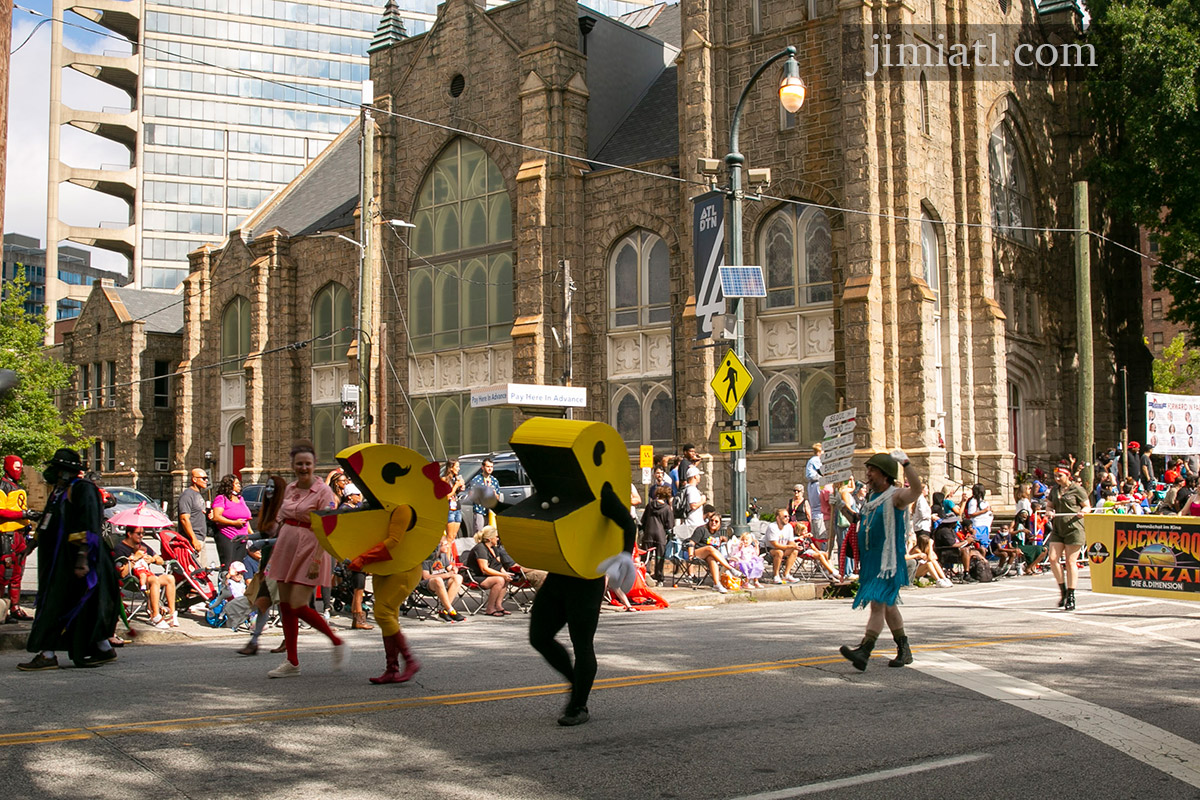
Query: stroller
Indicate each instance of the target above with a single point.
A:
(193, 583)
(227, 611)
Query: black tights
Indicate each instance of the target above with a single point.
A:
(574, 602)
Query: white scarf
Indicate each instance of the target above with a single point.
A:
(887, 566)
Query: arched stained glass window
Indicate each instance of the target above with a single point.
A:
(331, 312)
(640, 281)
(235, 334)
(796, 247)
(783, 415)
(643, 412)
(929, 254)
(1012, 203)
(461, 281)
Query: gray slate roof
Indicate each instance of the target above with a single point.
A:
(163, 313)
(326, 184)
(660, 21)
(651, 130)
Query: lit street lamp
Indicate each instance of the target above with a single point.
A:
(791, 96)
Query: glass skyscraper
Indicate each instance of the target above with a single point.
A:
(229, 99)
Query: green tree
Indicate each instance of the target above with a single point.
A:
(1145, 93)
(30, 423)
(1177, 370)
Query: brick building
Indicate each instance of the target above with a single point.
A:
(125, 344)
(901, 235)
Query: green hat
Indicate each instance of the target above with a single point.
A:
(885, 464)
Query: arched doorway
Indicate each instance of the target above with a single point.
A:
(237, 446)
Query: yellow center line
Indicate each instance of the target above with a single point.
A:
(461, 698)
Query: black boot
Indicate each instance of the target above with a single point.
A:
(1069, 600)
(1062, 595)
(903, 653)
(860, 655)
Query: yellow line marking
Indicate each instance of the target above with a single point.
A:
(460, 698)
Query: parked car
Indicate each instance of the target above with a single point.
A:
(125, 498)
(514, 483)
(252, 494)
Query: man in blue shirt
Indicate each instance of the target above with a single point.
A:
(812, 475)
(484, 484)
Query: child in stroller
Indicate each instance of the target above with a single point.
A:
(230, 608)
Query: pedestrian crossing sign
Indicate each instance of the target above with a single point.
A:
(731, 382)
(730, 441)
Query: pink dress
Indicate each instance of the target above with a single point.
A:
(296, 550)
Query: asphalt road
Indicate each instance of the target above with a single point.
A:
(1008, 698)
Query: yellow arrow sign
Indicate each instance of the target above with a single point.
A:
(731, 382)
(730, 440)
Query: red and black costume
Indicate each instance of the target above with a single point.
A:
(14, 532)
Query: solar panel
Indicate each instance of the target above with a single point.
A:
(743, 281)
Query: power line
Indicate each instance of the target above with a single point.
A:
(1157, 262)
(17, 49)
(297, 345)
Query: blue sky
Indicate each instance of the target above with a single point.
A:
(28, 131)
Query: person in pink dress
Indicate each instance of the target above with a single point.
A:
(298, 563)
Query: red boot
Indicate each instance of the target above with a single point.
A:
(411, 665)
(395, 647)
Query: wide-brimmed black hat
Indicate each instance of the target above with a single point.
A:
(67, 459)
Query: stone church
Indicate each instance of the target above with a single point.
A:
(531, 170)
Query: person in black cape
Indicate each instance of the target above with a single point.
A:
(78, 595)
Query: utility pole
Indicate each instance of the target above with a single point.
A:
(1125, 421)
(568, 332)
(1083, 331)
(366, 284)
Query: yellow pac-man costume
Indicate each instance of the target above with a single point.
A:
(577, 527)
(399, 524)
(561, 527)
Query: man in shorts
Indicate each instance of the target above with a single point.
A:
(781, 545)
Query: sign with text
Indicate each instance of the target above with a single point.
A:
(832, 465)
(1144, 555)
(838, 447)
(708, 247)
(834, 442)
(840, 476)
(646, 456)
(835, 453)
(1173, 423)
(526, 394)
(837, 418)
(839, 430)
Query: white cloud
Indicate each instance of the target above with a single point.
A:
(28, 136)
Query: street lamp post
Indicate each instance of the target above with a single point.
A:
(791, 96)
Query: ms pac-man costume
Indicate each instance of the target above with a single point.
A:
(577, 527)
(402, 518)
(568, 526)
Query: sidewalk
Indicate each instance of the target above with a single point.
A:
(192, 627)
